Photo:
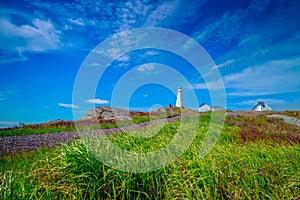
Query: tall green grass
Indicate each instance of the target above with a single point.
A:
(28, 130)
(70, 126)
(261, 169)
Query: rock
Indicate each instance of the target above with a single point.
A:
(232, 115)
(286, 119)
(107, 113)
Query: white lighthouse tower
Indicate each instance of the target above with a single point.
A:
(179, 100)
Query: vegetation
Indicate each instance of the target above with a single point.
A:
(68, 126)
(238, 167)
(264, 128)
(292, 113)
(36, 129)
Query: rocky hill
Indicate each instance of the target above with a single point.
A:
(107, 113)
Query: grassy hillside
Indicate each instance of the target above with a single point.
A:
(68, 126)
(249, 161)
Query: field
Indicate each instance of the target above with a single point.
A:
(67, 125)
(255, 158)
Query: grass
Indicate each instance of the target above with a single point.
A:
(69, 126)
(29, 130)
(264, 128)
(292, 113)
(236, 168)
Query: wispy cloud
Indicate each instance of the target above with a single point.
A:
(254, 102)
(78, 21)
(9, 57)
(6, 93)
(35, 36)
(216, 85)
(68, 105)
(278, 76)
(97, 101)
(38, 37)
(161, 13)
(124, 58)
(151, 53)
(216, 67)
(146, 67)
(247, 32)
(226, 63)
(123, 65)
(95, 64)
(123, 61)
(113, 52)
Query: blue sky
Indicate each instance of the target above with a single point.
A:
(255, 45)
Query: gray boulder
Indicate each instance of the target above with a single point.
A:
(107, 113)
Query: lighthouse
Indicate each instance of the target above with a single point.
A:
(179, 100)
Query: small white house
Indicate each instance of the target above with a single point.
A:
(204, 107)
(261, 106)
(216, 108)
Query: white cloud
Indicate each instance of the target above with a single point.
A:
(161, 12)
(13, 57)
(4, 94)
(213, 33)
(97, 101)
(216, 67)
(151, 53)
(248, 38)
(95, 64)
(254, 93)
(68, 105)
(146, 67)
(67, 27)
(254, 102)
(38, 37)
(277, 76)
(145, 95)
(78, 21)
(123, 65)
(226, 63)
(124, 58)
(216, 85)
(113, 52)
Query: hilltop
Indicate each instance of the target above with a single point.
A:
(98, 117)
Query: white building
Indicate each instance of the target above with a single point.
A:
(261, 106)
(179, 100)
(216, 108)
(204, 107)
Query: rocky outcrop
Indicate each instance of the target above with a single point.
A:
(107, 113)
(286, 119)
